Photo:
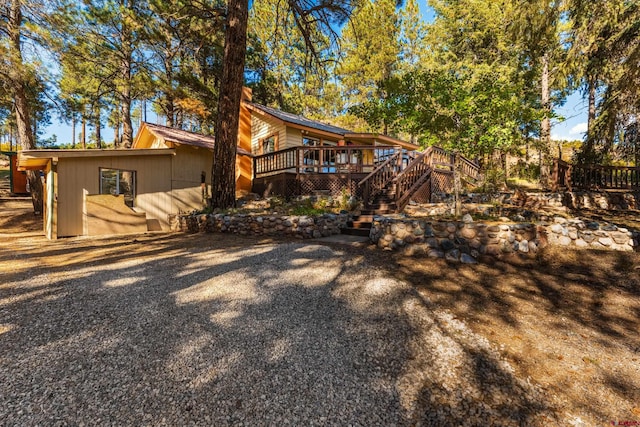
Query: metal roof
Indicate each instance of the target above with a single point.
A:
(185, 137)
(299, 120)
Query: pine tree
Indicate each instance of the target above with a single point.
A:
(20, 76)
(312, 19)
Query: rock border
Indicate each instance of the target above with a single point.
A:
(465, 241)
(299, 226)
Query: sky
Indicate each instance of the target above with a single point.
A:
(572, 127)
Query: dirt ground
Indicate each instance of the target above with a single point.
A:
(567, 321)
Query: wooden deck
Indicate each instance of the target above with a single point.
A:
(376, 174)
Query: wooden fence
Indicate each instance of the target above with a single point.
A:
(594, 177)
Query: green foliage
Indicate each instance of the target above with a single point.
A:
(526, 171)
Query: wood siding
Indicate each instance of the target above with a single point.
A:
(264, 127)
(187, 167)
(79, 177)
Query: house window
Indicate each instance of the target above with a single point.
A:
(310, 158)
(329, 158)
(118, 182)
(269, 144)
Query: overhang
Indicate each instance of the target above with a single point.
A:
(38, 159)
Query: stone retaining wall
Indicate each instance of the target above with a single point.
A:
(300, 226)
(581, 234)
(465, 241)
(614, 200)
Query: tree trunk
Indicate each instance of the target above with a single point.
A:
(591, 119)
(83, 135)
(127, 126)
(116, 132)
(223, 171)
(169, 110)
(73, 131)
(98, 125)
(588, 153)
(23, 116)
(545, 126)
(125, 90)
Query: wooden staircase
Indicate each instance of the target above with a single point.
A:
(391, 186)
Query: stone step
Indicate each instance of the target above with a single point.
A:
(359, 224)
(356, 231)
(363, 218)
(382, 206)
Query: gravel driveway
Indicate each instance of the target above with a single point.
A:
(203, 330)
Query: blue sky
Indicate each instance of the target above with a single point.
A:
(573, 127)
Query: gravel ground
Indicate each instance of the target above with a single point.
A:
(190, 330)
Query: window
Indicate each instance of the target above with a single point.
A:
(269, 144)
(329, 158)
(310, 158)
(118, 182)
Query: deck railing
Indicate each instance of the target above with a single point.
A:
(570, 176)
(323, 159)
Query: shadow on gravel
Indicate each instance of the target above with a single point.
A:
(569, 319)
(173, 329)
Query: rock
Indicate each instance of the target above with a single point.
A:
(581, 243)
(523, 246)
(468, 232)
(620, 238)
(605, 241)
(467, 219)
(435, 253)
(557, 228)
(564, 241)
(593, 226)
(467, 259)
(452, 255)
(447, 244)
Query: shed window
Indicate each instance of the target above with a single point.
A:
(119, 182)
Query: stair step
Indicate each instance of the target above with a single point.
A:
(378, 206)
(359, 224)
(384, 211)
(356, 231)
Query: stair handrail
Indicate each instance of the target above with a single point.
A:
(413, 176)
(469, 168)
(393, 157)
(384, 174)
(415, 162)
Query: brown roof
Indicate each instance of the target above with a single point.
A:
(180, 136)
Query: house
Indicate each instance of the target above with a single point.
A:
(167, 171)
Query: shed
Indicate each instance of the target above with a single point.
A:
(94, 192)
(17, 179)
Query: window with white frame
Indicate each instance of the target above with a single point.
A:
(119, 182)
